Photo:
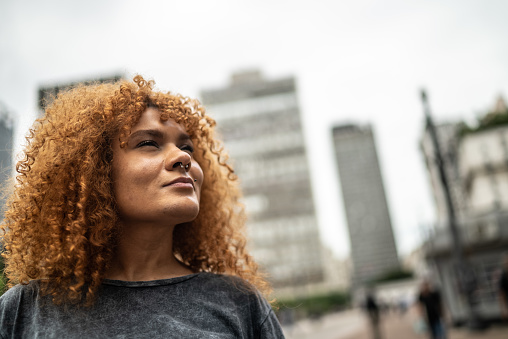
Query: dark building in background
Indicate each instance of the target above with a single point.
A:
(373, 249)
(260, 123)
(48, 93)
(6, 149)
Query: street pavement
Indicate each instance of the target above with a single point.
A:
(332, 326)
(353, 324)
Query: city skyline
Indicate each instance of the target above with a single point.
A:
(354, 61)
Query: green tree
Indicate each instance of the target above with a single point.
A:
(393, 276)
(314, 306)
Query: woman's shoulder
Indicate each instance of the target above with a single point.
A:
(18, 298)
(19, 293)
(16, 306)
(231, 291)
(233, 288)
(226, 282)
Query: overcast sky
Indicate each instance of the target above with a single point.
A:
(354, 61)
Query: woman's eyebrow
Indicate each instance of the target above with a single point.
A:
(157, 134)
(184, 137)
(151, 132)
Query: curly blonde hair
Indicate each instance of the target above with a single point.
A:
(60, 224)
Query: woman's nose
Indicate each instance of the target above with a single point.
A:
(178, 159)
(181, 165)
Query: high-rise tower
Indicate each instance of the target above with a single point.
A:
(260, 123)
(373, 249)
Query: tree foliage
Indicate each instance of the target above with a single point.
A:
(489, 121)
(393, 276)
(314, 306)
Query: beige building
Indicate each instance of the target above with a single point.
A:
(483, 166)
(477, 168)
(260, 122)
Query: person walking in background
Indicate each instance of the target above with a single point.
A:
(503, 288)
(432, 306)
(372, 309)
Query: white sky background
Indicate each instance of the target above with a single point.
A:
(355, 61)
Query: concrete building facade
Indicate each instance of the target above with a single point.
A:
(483, 158)
(373, 249)
(260, 124)
(479, 172)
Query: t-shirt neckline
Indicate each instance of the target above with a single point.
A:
(150, 283)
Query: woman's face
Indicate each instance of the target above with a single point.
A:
(156, 179)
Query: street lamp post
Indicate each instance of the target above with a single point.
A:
(464, 274)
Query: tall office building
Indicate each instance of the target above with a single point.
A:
(373, 250)
(259, 121)
(6, 146)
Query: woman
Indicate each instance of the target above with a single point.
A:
(125, 222)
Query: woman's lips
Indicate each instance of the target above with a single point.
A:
(181, 182)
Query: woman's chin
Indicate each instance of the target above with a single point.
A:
(187, 214)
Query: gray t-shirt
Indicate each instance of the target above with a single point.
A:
(200, 305)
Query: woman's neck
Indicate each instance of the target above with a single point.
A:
(145, 252)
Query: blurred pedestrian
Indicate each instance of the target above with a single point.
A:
(431, 307)
(372, 309)
(503, 288)
(402, 305)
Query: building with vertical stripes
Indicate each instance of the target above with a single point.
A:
(373, 249)
(259, 120)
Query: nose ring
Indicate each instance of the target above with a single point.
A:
(186, 167)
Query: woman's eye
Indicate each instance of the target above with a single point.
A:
(187, 148)
(147, 143)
